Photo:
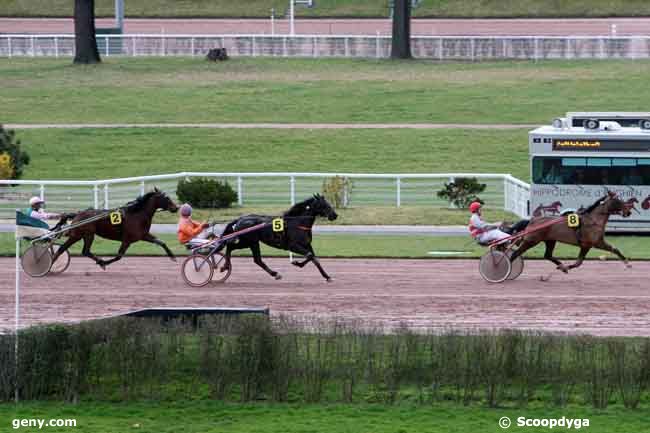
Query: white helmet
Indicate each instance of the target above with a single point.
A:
(35, 200)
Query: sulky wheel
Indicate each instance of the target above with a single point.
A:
(197, 270)
(494, 266)
(62, 262)
(221, 274)
(37, 260)
(516, 267)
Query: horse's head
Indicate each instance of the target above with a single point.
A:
(321, 207)
(162, 201)
(615, 206)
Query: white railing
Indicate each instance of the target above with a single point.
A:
(265, 189)
(473, 48)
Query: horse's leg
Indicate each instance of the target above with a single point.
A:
(548, 255)
(67, 244)
(581, 257)
(257, 258)
(310, 256)
(525, 246)
(120, 253)
(603, 245)
(226, 264)
(88, 242)
(154, 240)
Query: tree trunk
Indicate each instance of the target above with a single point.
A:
(401, 45)
(84, 29)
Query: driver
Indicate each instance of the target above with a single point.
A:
(480, 230)
(189, 230)
(36, 210)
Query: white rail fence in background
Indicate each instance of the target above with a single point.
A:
(265, 189)
(473, 48)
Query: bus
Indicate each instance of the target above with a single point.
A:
(580, 157)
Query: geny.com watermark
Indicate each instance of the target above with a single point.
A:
(564, 422)
(40, 423)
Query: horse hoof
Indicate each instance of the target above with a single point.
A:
(295, 264)
(278, 277)
(173, 259)
(329, 280)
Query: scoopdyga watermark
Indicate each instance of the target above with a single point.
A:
(550, 423)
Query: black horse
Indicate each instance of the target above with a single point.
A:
(291, 231)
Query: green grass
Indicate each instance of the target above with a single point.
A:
(213, 417)
(344, 245)
(151, 90)
(83, 153)
(339, 8)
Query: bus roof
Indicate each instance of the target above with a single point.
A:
(627, 133)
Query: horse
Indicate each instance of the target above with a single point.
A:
(589, 234)
(553, 209)
(133, 226)
(295, 236)
(645, 204)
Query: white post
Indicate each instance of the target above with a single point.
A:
(96, 196)
(399, 192)
(142, 188)
(253, 46)
(133, 46)
(106, 196)
(9, 45)
(347, 47)
(17, 317)
(284, 46)
(119, 13)
(240, 191)
(192, 45)
(32, 43)
(42, 192)
(377, 45)
(440, 49)
(505, 193)
(535, 49)
(471, 45)
(272, 21)
(162, 43)
(292, 183)
(56, 47)
(292, 29)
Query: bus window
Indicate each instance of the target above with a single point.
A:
(547, 171)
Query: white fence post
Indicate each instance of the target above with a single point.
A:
(253, 47)
(240, 192)
(377, 45)
(142, 188)
(106, 196)
(133, 46)
(162, 45)
(32, 44)
(192, 45)
(347, 47)
(96, 195)
(42, 192)
(292, 183)
(9, 45)
(56, 47)
(506, 202)
(399, 191)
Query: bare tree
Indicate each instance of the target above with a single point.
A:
(84, 29)
(401, 44)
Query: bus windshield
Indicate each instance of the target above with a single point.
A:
(591, 171)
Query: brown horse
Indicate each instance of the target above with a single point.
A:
(132, 225)
(589, 234)
(553, 209)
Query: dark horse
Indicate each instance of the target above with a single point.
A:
(134, 226)
(589, 234)
(295, 235)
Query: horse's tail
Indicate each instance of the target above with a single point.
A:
(230, 228)
(64, 220)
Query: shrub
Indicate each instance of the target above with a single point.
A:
(205, 193)
(462, 191)
(12, 159)
(336, 190)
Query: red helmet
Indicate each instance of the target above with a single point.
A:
(474, 206)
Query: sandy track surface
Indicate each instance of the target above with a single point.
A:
(601, 298)
(447, 27)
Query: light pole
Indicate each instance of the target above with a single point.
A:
(292, 3)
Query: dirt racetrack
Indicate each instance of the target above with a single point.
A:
(601, 298)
